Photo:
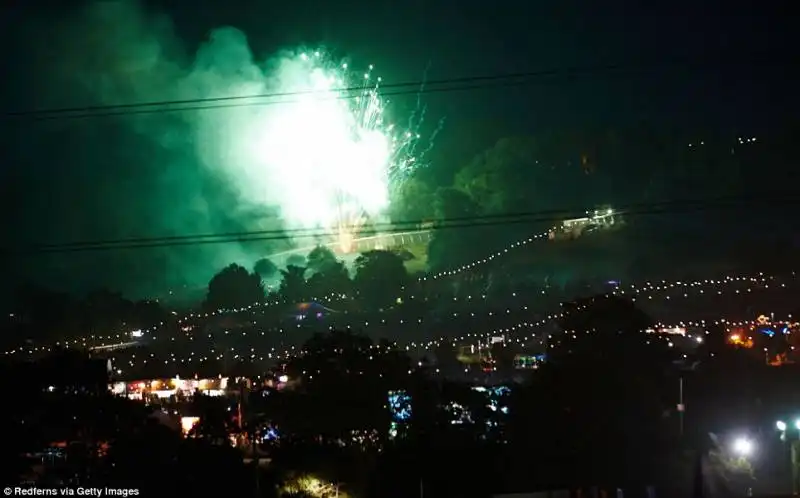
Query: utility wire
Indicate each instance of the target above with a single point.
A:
(672, 207)
(404, 88)
(407, 225)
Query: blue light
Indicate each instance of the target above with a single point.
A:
(271, 434)
(400, 406)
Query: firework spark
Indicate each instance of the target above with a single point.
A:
(339, 155)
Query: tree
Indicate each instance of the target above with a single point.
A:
(412, 201)
(334, 280)
(610, 329)
(607, 417)
(451, 247)
(234, 287)
(265, 268)
(328, 274)
(499, 178)
(215, 422)
(293, 283)
(146, 313)
(380, 276)
(527, 173)
(345, 379)
(320, 259)
(43, 313)
(450, 203)
(296, 260)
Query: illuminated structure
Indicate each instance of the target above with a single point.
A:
(310, 310)
(775, 339)
(166, 388)
(470, 354)
(599, 219)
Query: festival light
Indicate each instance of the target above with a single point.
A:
(645, 290)
(755, 280)
(486, 259)
(685, 289)
(743, 446)
(376, 350)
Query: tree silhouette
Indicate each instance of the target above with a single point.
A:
(606, 328)
(320, 259)
(449, 248)
(606, 419)
(412, 202)
(293, 283)
(296, 260)
(265, 268)
(43, 313)
(214, 420)
(328, 274)
(234, 287)
(380, 276)
(335, 279)
(345, 379)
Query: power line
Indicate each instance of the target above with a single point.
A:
(405, 225)
(671, 207)
(403, 88)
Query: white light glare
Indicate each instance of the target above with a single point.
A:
(781, 425)
(743, 446)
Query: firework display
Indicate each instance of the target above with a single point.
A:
(335, 145)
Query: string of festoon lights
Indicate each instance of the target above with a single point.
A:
(332, 298)
(646, 290)
(486, 259)
(679, 329)
(376, 350)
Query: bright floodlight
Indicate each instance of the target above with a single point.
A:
(797, 424)
(781, 425)
(743, 446)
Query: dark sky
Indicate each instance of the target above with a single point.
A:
(459, 38)
(79, 181)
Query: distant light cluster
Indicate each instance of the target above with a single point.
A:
(522, 334)
(646, 289)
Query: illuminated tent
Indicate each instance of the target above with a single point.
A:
(311, 309)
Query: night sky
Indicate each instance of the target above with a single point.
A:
(99, 179)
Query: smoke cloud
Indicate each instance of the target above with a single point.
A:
(157, 174)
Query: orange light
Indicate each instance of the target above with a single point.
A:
(188, 423)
